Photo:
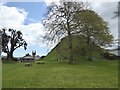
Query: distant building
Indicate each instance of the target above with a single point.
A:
(29, 58)
(37, 57)
(34, 54)
(26, 58)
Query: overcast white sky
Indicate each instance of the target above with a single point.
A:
(21, 18)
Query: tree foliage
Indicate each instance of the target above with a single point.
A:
(11, 40)
(75, 18)
(59, 22)
(94, 28)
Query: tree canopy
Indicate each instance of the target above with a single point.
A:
(12, 41)
(75, 18)
(94, 28)
(59, 22)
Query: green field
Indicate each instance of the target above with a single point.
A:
(99, 73)
(53, 74)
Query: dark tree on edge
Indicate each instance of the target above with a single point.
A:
(12, 41)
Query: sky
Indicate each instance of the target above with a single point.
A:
(27, 17)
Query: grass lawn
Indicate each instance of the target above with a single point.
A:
(96, 74)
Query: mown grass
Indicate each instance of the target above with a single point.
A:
(53, 74)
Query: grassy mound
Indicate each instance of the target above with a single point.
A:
(61, 51)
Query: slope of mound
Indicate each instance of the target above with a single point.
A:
(61, 50)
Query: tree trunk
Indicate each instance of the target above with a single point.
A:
(10, 56)
(89, 53)
(10, 53)
(71, 48)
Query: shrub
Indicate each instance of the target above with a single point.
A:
(109, 56)
(15, 59)
(42, 57)
(28, 64)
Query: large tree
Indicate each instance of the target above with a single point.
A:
(94, 28)
(59, 22)
(12, 41)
